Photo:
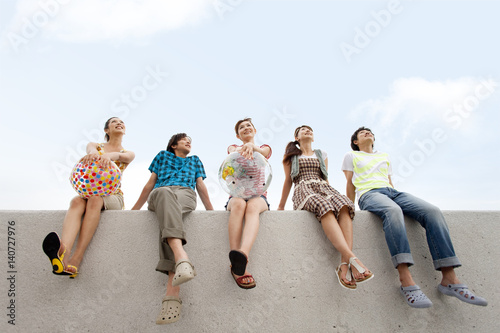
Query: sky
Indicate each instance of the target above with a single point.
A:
(423, 75)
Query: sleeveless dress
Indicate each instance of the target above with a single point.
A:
(114, 201)
(314, 194)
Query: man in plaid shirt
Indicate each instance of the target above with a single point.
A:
(170, 192)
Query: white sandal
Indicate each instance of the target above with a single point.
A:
(361, 270)
(348, 277)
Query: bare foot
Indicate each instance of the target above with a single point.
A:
(343, 275)
(357, 275)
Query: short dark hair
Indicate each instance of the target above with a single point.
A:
(240, 121)
(174, 140)
(354, 137)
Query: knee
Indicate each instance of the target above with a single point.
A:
(95, 203)
(77, 203)
(252, 209)
(165, 193)
(238, 205)
(394, 215)
(433, 211)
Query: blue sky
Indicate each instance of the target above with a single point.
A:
(423, 75)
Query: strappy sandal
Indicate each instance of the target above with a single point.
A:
(241, 284)
(238, 262)
(184, 272)
(348, 277)
(170, 310)
(361, 270)
(72, 275)
(51, 245)
(462, 292)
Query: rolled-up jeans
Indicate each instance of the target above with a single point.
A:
(391, 206)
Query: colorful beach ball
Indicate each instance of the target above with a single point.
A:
(245, 178)
(90, 180)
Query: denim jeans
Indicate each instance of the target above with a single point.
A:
(390, 205)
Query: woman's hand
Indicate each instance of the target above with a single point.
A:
(105, 161)
(247, 150)
(90, 158)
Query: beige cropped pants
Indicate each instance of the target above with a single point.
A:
(171, 204)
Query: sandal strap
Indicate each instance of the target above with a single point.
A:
(182, 261)
(171, 298)
(244, 277)
(352, 262)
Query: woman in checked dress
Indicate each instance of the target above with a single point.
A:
(307, 169)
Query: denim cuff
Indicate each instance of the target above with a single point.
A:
(402, 258)
(446, 262)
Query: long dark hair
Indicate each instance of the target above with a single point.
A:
(106, 126)
(174, 139)
(291, 149)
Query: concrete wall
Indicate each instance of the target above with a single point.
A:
(118, 289)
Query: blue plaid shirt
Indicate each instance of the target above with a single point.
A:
(177, 171)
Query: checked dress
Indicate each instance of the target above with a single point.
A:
(314, 194)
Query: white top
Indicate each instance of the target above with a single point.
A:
(323, 153)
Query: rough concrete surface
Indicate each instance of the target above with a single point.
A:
(118, 289)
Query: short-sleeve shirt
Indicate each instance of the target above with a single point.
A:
(173, 170)
(370, 170)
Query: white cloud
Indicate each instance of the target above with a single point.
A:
(415, 102)
(101, 20)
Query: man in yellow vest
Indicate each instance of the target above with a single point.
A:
(368, 173)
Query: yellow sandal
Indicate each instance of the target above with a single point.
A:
(51, 245)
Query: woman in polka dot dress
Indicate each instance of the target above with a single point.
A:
(83, 214)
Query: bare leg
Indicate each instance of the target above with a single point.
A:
(237, 207)
(405, 275)
(251, 228)
(171, 290)
(345, 223)
(449, 276)
(71, 225)
(177, 248)
(254, 208)
(88, 228)
(334, 233)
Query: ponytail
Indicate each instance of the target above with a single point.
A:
(291, 150)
